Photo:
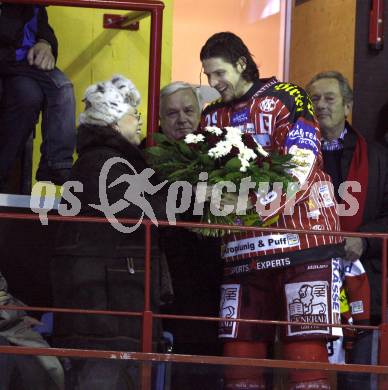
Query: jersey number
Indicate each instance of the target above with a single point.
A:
(211, 119)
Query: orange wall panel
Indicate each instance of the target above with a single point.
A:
(194, 21)
(323, 36)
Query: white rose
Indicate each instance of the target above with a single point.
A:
(213, 130)
(193, 138)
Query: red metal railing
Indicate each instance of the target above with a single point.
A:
(156, 11)
(155, 8)
(148, 316)
(376, 25)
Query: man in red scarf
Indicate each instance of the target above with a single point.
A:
(348, 157)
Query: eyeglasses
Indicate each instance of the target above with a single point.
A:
(136, 115)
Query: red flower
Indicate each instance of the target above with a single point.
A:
(234, 152)
(193, 146)
(248, 140)
(259, 161)
(211, 139)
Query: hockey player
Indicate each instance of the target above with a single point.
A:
(286, 276)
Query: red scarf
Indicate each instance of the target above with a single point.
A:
(358, 171)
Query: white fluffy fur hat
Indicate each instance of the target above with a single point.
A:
(108, 101)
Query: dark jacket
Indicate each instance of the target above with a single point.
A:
(196, 272)
(95, 266)
(12, 20)
(375, 218)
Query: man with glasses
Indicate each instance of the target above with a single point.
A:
(348, 157)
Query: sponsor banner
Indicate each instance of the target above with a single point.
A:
(344, 304)
(336, 284)
(262, 139)
(352, 268)
(265, 123)
(357, 307)
(249, 128)
(314, 212)
(308, 302)
(229, 308)
(304, 136)
(268, 104)
(336, 351)
(246, 128)
(260, 244)
(284, 260)
(317, 266)
(301, 100)
(303, 159)
(257, 265)
(274, 263)
(325, 195)
(240, 117)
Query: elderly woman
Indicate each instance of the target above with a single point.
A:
(101, 265)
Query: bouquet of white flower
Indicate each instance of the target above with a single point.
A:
(227, 157)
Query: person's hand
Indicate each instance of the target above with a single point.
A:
(227, 198)
(231, 199)
(353, 248)
(41, 56)
(4, 297)
(204, 194)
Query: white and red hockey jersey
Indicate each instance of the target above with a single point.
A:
(280, 117)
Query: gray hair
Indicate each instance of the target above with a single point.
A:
(171, 88)
(344, 86)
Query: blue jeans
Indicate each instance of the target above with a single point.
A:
(26, 91)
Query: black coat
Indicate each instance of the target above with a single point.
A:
(12, 20)
(95, 146)
(196, 272)
(375, 218)
(95, 266)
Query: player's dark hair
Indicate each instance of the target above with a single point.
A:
(230, 48)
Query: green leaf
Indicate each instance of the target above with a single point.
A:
(233, 176)
(251, 219)
(265, 166)
(157, 151)
(183, 174)
(160, 138)
(216, 173)
(206, 160)
(172, 164)
(185, 149)
(233, 164)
